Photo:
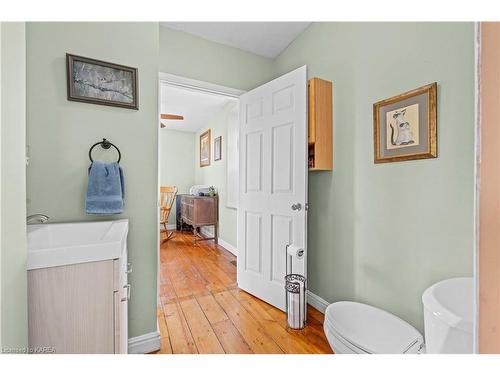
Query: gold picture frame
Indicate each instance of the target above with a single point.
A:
(405, 126)
(218, 148)
(205, 141)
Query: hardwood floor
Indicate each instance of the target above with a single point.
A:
(201, 309)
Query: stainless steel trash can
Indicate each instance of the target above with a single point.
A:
(295, 286)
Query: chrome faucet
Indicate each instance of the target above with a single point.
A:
(41, 218)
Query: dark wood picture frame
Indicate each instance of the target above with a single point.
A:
(430, 126)
(219, 141)
(205, 136)
(73, 96)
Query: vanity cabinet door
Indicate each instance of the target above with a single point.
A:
(70, 308)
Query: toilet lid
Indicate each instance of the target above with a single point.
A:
(371, 329)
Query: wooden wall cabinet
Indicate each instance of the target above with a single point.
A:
(320, 141)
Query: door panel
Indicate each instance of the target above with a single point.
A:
(254, 159)
(273, 177)
(282, 173)
(253, 259)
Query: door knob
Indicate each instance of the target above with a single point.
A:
(296, 207)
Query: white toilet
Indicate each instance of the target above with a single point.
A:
(357, 328)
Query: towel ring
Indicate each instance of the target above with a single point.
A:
(105, 144)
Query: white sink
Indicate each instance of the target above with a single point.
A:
(448, 316)
(51, 245)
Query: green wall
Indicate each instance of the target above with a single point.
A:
(60, 133)
(215, 173)
(177, 160)
(382, 234)
(193, 57)
(13, 281)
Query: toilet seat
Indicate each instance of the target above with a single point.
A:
(353, 327)
(340, 344)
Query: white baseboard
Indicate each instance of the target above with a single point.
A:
(226, 245)
(317, 302)
(169, 227)
(147, 343)
(206, 232)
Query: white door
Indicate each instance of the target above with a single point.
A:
(273, 178)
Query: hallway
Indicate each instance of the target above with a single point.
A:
(201, 309)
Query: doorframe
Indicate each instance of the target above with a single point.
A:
(487, 253)
(193, 85)
(477, 157)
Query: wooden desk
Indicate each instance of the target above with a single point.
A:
(200, 211)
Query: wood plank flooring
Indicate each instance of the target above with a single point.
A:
(202, 310)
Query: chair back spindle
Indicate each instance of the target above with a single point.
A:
(167, 199)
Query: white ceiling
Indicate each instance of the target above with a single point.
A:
(266, 39)
(198, 108)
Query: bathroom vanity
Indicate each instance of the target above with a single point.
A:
(78, 288)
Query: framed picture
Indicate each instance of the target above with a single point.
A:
(205, 149)
(100, 82)
(218, 148)
(405, 126)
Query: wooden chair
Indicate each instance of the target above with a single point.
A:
(167, 199)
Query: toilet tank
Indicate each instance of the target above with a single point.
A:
(448, 314)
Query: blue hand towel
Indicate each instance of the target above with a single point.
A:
(105, 190)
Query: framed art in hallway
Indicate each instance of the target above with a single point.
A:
(99, 82)
(405, 126)
(218, 148)
(205, 149)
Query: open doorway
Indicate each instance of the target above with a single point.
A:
(198, 160)
(201, 309)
